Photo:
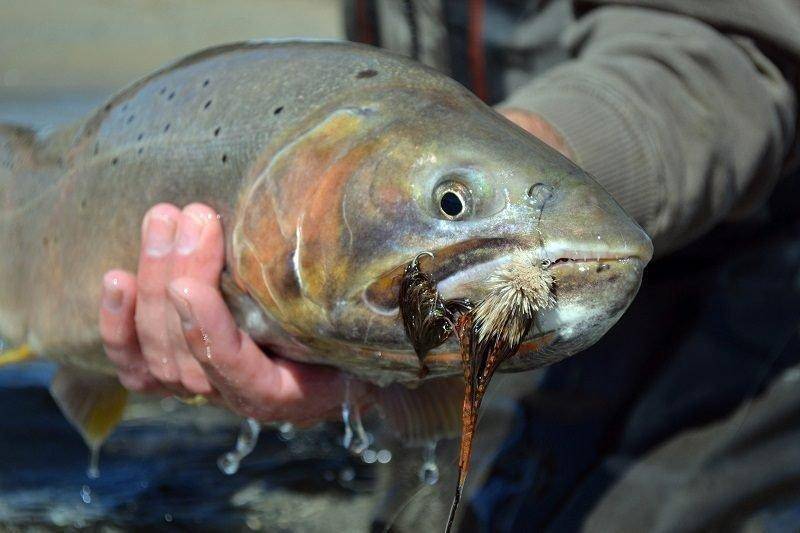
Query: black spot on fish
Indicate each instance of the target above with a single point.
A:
(141, 150)
(368, 73)
(224, 158)
(139, 137)
(83, 203)
(277, 110)
(216, 132)
(107, 108)
(205, 83)
(124, 108)
(130, 119)
(114, 161)
(171, 95)
(163, 90)
(208, 104)
(96, 148)
(166, 128)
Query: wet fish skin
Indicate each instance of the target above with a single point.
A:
(323, 160)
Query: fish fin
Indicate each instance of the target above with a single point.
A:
(427, 413)
(16, 355)
(92, 402)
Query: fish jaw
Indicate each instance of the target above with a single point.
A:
(589, 296)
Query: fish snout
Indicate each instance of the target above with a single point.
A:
(579, 220)
(596, 254)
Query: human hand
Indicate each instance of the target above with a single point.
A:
(167, 329)
(538, 127)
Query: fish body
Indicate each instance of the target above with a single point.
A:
(333, 165)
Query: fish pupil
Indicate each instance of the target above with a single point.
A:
(450, 204)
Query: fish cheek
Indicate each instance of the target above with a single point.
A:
(260, 253)
(290, 236)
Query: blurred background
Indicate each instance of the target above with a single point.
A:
(60, 58)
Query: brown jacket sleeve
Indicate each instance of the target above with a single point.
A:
(683, 122)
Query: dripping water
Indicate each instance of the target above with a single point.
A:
(429, 471)
(93, 470)
(86, 494)
(287, 431)
(245, 443)
(355, 438)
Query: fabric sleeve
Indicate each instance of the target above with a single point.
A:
(683, 124)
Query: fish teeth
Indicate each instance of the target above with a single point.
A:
(516, 292)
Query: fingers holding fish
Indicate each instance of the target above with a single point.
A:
(118, 332)
(159, 232)
(199, 248)
(198, 254)
(253, 383)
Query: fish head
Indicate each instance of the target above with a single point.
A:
(332, 228)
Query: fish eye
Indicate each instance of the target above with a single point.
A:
(451, 204)
(453, 200)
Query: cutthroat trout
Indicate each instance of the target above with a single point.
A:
(333, 167)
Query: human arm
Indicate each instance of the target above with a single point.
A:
(683, 124)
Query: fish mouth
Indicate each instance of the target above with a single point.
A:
(460, 270)
(593, 286)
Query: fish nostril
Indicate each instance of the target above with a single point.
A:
(539, 194)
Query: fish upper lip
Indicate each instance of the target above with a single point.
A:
(481, 256)
(450, 284)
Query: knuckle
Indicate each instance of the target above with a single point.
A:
(151, 341)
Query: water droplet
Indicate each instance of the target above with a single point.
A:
(86, 494)
(384, 456)
(429, 471)
(228, 463)
(369, 456)
(206, 343)
(287, 431)
(245, 443)
(347, 474)
(355, 438)
(93, 470)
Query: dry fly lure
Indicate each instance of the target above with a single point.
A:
(488, 333)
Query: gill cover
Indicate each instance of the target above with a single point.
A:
(291, 244)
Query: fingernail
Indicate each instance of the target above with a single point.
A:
(112, 294)
(159, 235)
(182, 306)
(189, 235)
